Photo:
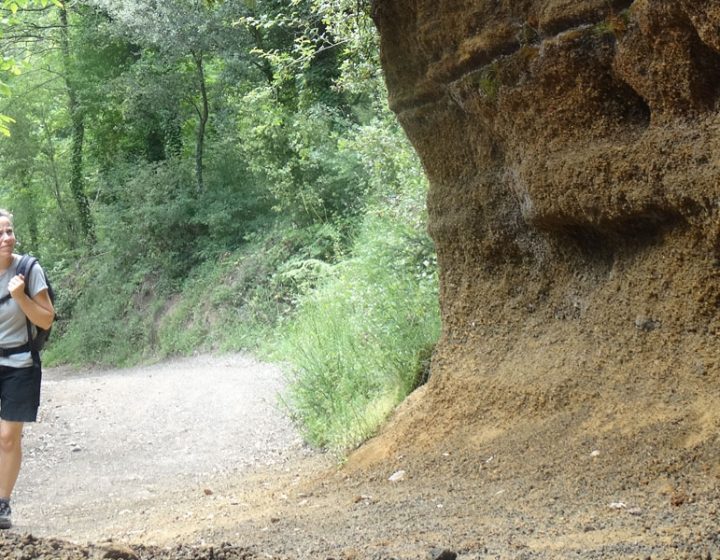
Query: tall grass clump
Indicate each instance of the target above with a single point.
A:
(360, 338)
(359, 342)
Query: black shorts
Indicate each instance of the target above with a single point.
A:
(19, 393)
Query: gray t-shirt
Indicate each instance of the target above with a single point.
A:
(13, 326)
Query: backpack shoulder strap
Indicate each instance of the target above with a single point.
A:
(23, 267)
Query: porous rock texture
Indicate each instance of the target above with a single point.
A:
(572, 149)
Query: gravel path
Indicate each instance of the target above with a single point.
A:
(113, 446)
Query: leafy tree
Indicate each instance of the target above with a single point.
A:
(8, 65)
(77, 118)
(41, 33)
(179, 30)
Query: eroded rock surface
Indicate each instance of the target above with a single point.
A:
(572, 150)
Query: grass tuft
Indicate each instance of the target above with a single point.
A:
(359, 342)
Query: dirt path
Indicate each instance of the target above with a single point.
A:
(193, 460)
(124, 454)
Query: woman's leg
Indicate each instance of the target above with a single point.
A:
(10, 456)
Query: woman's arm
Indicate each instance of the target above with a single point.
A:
(38, 309)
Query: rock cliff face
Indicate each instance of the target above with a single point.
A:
(573, 152)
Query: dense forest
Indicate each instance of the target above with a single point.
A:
(200, 175)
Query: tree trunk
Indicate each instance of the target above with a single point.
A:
(57, 192)
(263, 65)
(77, 118)
(203, 113)
(27, 200)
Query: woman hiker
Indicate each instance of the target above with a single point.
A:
(19, 378)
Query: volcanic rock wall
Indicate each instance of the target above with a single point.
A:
(573, 152)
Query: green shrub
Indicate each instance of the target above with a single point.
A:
(232, 302)
(300, 157)
(359, 342)
(112, 313)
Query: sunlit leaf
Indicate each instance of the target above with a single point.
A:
(4, 122)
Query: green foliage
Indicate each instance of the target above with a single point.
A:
(235, 302)
(303, 159)
(307, 228)
(489, 82)
(112, 315)
(148, 219)
(615, 24)
(147, 233)
(359, 341)
(9, 65)
(15, 5)
(5, 123)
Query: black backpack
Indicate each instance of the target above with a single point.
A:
(24, 267)
(37, 342)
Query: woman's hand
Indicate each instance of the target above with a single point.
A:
(16, 286)
(38, 309)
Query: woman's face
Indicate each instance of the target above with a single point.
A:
(7, 237)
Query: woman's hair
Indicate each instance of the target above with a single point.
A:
(6, 214)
